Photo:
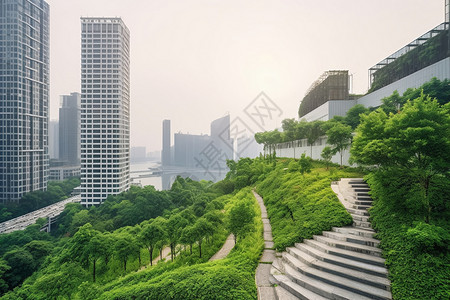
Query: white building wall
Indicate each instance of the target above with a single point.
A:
(319, 114)
(295, 149)
(329, 109)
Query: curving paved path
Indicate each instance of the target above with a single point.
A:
(266, 291)
(226, 248)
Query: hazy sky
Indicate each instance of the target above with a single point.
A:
(195, 61)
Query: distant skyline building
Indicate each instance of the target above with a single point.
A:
(53, 139)
(220, 136)
(24, 97)
(188, 147)
(166, 151)
(69, 129)
(206, 152)
(105, 108)
(138, 154)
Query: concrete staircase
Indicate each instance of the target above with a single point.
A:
(344, 263)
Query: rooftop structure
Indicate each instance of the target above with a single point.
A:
(331, 85)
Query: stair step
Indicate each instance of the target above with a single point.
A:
(361, 189)
(288, 290)
(359, 185)
(344, 262)
(362, 194)
(361, 207)
(310, 261)
(356, 181)
(364, 198)
(354, 231)
(330, 290)
(357, 256)
(361, 224)
(360, 218)
(360, 240)
(358, 211)
(363, 202)
(349, 246)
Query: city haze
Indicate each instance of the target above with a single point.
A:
(193, 62)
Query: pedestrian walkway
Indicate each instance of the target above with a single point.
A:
(266, 291)
(226, 248)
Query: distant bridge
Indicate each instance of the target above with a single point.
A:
(50, 212)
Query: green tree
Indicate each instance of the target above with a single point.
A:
(78, 244)
(392, 103)
(289, 128)
(327, 154)
(124, 247)
(305, 164)
(187, 237)
(313, 131)
(150, 235)
(353, 116)
(240, 219)
(200, 230)
(340, 137)
(4, 268)
(39, 250)
(416, 141)
(96, 248)
(174, 227)
(21, 265)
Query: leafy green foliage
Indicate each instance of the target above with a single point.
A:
(411, 246)
(414, 141)
(327, 154)
(340, 137)
(229, 278)
(240, 219)
(301, 206)
(305, 164)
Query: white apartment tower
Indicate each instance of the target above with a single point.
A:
(105, 108)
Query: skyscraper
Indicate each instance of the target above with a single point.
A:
(105, 114)
(24, 85)
(53, 139)
(69, 129)
(165, 153)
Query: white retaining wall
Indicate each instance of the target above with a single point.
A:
(295, 149)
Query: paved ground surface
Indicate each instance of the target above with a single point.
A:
(226, 248)
(20, 223)
(265, 289)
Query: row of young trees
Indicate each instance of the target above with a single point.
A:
(88, 245)
(339, 129)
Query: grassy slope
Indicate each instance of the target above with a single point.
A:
(417, 254)
(229, 278)
(300, 206)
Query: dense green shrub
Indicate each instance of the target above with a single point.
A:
(300, 206)
(417, 254)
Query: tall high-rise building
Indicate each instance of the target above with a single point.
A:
(69, 129)
(105, 113)
(165, 153)
(53, 139)
(24, 85)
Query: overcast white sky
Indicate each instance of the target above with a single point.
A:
(194, 61)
